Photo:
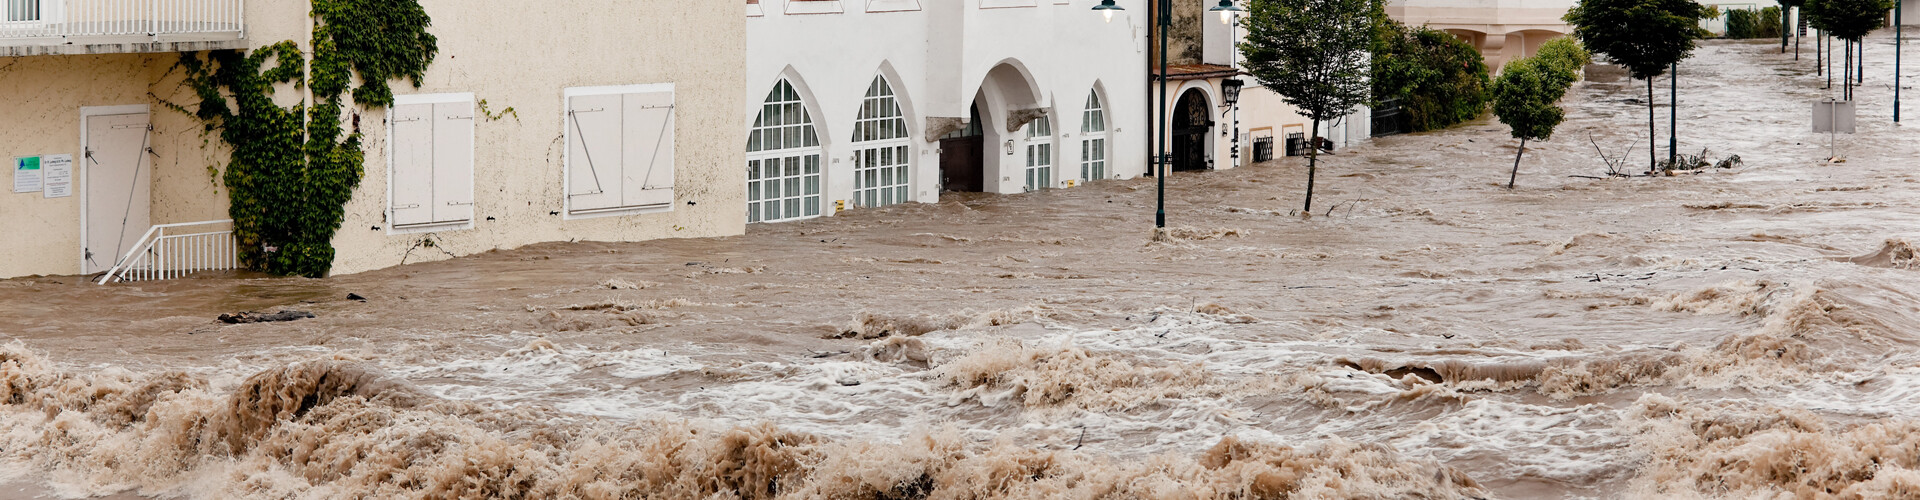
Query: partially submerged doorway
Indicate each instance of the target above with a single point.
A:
(117, 170)
(1192, 120)
(962, 165)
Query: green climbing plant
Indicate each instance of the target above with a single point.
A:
(293, 169)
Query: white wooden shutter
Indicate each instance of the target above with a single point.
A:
(413, 165)
(594, 153)
(453, 162)
(648, 138)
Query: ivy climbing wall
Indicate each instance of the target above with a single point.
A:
(293, 169)
(306, 179)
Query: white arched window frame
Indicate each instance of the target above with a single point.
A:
(783, 160)
(1039, 154)
(1093, 145)
(881, 159)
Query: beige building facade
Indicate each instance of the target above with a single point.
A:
(1503, 30)
(623, 127)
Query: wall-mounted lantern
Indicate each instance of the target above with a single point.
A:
(1230, 89)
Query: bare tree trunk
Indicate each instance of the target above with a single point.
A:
(1652, 142)
(1516, 163)
(1846, 79)
(1313, 160)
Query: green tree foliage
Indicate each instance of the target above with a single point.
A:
(293, 170)
(1313, 54)
(1566, 57)
(1645, 36)
(1439, 79)
(1526, 95)
(1740, 24)
(1767, 23)
(1848, 20)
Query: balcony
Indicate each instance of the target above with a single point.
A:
(57, 27)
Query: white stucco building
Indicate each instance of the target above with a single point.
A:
(623, 128)
(1200, 66)
(859, 103)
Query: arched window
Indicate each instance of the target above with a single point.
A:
(783, 160)
(1093, 145)
(880, 159)
(1039, 154)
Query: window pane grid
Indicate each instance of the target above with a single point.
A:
(784, 123)
(1093, 150)
(880, 166)
(783, 172)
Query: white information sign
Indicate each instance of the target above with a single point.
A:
(58, 173)
(26, 174)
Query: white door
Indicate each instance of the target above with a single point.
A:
(119, 176)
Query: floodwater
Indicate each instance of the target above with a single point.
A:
(1426, 333)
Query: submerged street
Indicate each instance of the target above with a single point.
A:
(1425, 332)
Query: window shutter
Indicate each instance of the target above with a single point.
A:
(413, 164)
(453, 162)
(594, 153)
(648, 139)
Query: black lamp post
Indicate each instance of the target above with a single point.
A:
(1230, 92)
(1159, 162)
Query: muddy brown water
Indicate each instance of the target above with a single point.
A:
(1425, 333)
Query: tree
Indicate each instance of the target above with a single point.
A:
(1566, 56)
(1312, 53)
(1786, 30)
(1849, 20)
(1645, 36)
(1439, 79)
(1526, 95)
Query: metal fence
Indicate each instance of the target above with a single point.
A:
(31, 19)
(175, 250)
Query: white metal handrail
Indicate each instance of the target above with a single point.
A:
(53, 19)
(167, 251)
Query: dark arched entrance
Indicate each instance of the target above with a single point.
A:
(962, 168)
(1192, 120)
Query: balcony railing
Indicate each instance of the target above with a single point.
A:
(85, 22)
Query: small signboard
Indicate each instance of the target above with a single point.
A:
(58, 176)
(1833, 117)
(26, 174)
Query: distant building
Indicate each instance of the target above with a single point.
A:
(1204, 55)
(865, 103)
(1503, 30)
(624, 128)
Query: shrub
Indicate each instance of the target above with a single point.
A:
(1767, 24)
(1439, 79)
(1740, 24)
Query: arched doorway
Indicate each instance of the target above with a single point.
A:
(1192, 119)
(962, 167)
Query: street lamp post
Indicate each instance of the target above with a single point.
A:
(1158, 163)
